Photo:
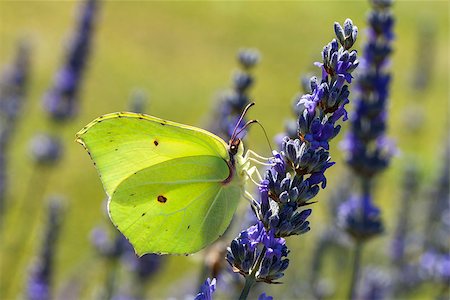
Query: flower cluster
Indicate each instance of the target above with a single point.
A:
(39, 282)
(368, 149)
(297, 170)
(360, 217)
(245, 250)
(61, 100)
(232, 103)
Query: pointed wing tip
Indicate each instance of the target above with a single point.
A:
(78, 139)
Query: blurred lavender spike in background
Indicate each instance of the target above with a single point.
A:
(138, 101)
(399, 243)
(369, 151)
(375, 284)
(435, 260)
(61, 101)
(231, 103)
(45, 149)
(437, 226)
(40, 279)
(13, 88)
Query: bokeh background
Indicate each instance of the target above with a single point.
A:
(182, 55)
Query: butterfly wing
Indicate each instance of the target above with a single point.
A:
(165, 181)
(176, 207)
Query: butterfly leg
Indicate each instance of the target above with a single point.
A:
(254, 170)
(249, 175)
(256, 155)
(260, 162)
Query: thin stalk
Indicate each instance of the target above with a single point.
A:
(365, 191)
(355, 270)
(251, 278)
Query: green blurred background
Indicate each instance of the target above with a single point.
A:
(182, 54)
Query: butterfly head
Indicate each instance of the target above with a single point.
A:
(233, 146)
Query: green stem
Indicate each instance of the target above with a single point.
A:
(251, 278)
(355, 270)
(249, 281)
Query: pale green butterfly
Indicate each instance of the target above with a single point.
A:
(172, 188)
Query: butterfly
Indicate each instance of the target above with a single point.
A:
(172, 188)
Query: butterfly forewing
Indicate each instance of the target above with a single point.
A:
(121, 144)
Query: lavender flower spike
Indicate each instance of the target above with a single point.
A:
(298, 169)
(61, 100)
(206, 290)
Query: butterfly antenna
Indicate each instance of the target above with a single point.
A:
(234, 134)
(262, 127)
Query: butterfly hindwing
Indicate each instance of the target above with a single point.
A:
(177, 207)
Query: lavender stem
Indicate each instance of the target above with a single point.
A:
(251, 278)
